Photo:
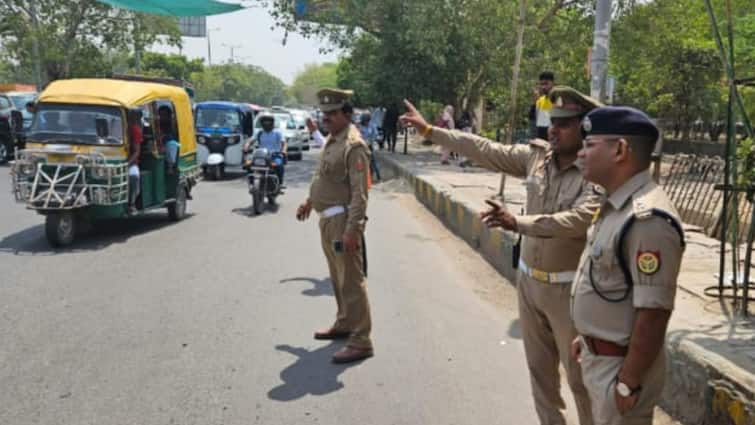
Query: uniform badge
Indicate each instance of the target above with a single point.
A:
(648, 262)
(587, 124)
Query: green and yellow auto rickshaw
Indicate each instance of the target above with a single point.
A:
(75, 166)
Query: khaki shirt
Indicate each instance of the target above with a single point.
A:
(652, 250)
(560, 203)
(341, 177)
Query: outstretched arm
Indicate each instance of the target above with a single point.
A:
(509, 159)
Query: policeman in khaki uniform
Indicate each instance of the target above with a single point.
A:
(624, 291)
(338, 194)
(560, 207)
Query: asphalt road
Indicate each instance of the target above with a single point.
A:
(210, 320)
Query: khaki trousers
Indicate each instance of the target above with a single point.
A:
(548, 331)
(349, 284)
(599, 373)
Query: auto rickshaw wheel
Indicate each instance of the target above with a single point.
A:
(60, 228)
(177, 210)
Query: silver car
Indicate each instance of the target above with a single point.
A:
(294, 138)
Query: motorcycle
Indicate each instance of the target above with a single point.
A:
(262, 178)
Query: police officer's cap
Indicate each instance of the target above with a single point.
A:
(333, 99)
(568, 102)
(620, 121)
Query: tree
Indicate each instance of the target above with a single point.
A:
(239, 83)
(74, 38)
(311, 79)
(397, 49)
(172, 66)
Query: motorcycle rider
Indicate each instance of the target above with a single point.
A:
(272, 139)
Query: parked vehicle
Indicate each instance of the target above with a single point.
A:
(11, 128)
(295, 139)
(75, 168)
(19, 100)
(261, 177)
(222, 128)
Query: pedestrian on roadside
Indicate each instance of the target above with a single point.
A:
(390, 127)
(624, 291)
(338, 193)
(540, 110)
(560, 206)
(446, 121)
(369, 135)
(378, 113)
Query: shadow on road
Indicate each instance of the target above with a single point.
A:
(249, 211)
(322, 287)
(311, 374)
(89, 237)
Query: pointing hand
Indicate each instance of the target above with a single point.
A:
(412, 118)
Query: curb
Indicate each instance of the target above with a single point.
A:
(701, 387)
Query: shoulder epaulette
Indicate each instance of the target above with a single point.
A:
(641, 209)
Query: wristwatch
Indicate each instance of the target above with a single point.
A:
(624, 390)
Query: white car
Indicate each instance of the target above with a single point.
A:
(284, 122)
(300, 119)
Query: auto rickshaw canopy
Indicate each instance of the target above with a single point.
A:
(126, 94)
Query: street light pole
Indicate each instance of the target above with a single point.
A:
(209, 45)
(601, 38)
(35, 45)
(232, 47)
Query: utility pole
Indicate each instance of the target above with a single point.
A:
(516, 69)
(601, 38)
(35, 45)
(209, 45)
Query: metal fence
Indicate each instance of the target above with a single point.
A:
(690, 181)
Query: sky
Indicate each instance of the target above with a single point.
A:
(257, 44)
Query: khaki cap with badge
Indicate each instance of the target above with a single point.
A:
(333, 99)
(568, 102)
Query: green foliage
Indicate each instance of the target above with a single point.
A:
(171, 66)
(663, 55)
(746, 162)
(75, 38)
(239, 83)
(430, 110)
(313, 78)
